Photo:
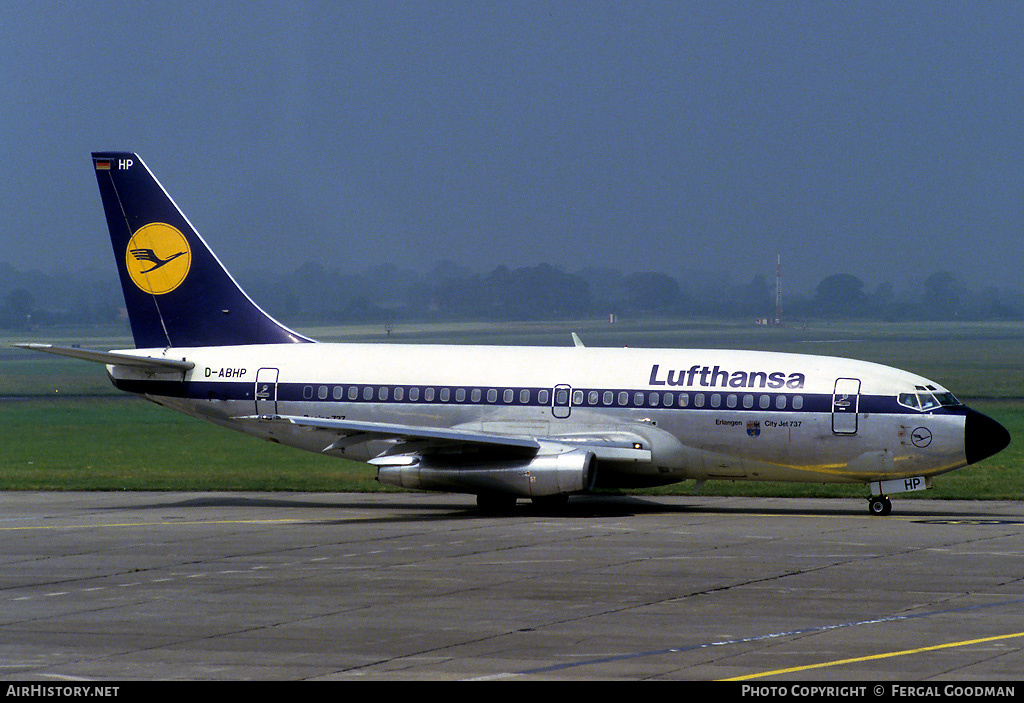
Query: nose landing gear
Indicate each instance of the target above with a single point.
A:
(879, 505)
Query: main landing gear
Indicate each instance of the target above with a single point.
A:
(879, 505)
(505, 503)
(496, 503)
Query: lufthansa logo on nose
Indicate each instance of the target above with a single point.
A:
(158, 258)
(921, 437)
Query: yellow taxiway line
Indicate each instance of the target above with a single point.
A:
(886, 655)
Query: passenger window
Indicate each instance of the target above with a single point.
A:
(509, 395)
(524, 396)
(698, 400)
(428, 394)
(684, 399)
(460, 395)
(445, 395)
(668, 399)
(577, 397)
(798, 402)
(592, 398)
(368, 393)
(716, 400)
(608, 397)
(623, 397)
(353, 392)
(414, 394)
(492, 395)
(542, 397)
(780, 402)
(399, 393)
(337, 392)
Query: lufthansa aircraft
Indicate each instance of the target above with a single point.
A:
(509, 422)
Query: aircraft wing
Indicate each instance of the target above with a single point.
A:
(612, 443)
(354, 431)
(146, 363)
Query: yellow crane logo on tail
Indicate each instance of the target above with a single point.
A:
(158, 258)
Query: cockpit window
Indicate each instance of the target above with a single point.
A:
(925, 400)
(909, 399)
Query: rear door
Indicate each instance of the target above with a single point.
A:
(266, 392)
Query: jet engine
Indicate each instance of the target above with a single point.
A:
(542, 475)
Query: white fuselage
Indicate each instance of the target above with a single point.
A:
(705, 414)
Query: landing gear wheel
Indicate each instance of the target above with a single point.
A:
(551, 504)
(496, 503)
(879, 505)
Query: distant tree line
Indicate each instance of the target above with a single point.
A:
(33, 299)
(316, 294)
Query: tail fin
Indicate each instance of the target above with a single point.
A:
(177, 292)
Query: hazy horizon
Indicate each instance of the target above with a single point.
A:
(873, 139)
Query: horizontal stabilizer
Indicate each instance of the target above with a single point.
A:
(146, 363)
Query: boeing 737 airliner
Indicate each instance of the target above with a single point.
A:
(509, 422)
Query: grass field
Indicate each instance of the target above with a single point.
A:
(124, 443)
(68, 429)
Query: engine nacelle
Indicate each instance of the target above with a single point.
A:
(544, 475)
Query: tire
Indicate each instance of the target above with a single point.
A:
(496, 503)
(551, 504)
(879, 505)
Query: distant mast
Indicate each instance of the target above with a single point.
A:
(778, 291)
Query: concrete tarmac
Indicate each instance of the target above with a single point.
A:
(293, 586)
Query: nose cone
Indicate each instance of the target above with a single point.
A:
(983, 437)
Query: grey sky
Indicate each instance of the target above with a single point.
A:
(880, 139)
